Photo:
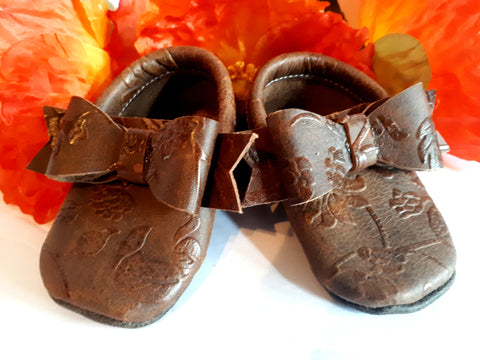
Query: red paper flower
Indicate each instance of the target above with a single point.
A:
(450, 33)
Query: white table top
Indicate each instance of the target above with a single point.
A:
(254, 298)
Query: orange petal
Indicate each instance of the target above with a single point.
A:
(121, 46)
(49, 51)
(93, 16)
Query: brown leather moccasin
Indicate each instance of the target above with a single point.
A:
(131, 233)
(348, 155)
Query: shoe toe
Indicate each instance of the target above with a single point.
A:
(389, 279)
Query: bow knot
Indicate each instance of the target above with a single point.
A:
(363, 150)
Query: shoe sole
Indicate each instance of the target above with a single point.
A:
(107, 320)
(400, 309)
(385, 310)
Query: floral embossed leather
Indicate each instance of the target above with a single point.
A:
(346, 154)
(131, 233)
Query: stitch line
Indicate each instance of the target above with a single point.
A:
(151, 82)
(141, 89)
(307, 76)
(288, 77)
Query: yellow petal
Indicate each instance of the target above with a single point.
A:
(93, 16)
(399, 62)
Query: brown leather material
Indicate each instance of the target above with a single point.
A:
(398, 132)
(174, 156)
(231, 148)
(262, 185)
(401, 129)
(372, 134)
(161, 153)
(115, 253)
(298, 69)
(371, 233)
(154, 70)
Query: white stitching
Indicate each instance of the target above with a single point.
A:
(318, 78)
(151, 82)
(141, 89)
(288, 77)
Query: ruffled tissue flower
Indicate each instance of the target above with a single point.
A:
(122, 43)
(246, 34)
(49, 51)
(53, 49)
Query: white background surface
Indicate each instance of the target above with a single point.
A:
(254, 298)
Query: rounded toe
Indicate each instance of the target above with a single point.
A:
(406, 286)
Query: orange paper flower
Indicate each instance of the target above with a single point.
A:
(49, 50)
(450, 33)
(53, 49)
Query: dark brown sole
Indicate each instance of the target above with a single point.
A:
(105, 319)
(393, 309)
(400, 309)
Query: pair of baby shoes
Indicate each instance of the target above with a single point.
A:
(157, 154)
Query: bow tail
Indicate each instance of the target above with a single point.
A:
(225, 185)
(53, 117)
(77, 136)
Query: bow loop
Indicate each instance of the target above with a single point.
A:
(171, 156)
(405, 133)
(77, 136)
(179, 160)
(131, 160)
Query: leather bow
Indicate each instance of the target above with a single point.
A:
(315, 151)
(172, 156)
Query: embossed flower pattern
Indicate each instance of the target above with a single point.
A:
(375, 281)
(436, 222)
(136, 269)
(387, 261)
(68, 213)
(358, 285)
(326, 211)
(298, 178)
(173, 138)
(111, 201)
(408, 203)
